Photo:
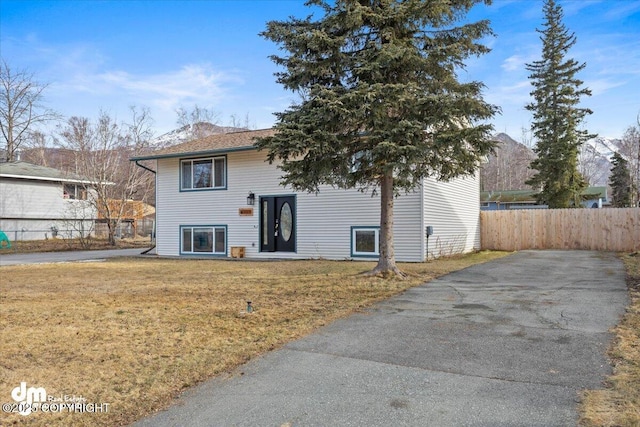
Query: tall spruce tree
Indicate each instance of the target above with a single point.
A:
(381, 105)
(620, 182)
(556, 115)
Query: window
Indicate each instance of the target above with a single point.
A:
(74, 192)
(202, 174)
(365, 241)
(203, 240)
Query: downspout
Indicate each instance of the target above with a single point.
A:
(154, 223)
(424, 244)
(144, 167)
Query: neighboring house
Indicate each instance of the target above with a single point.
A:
(38, 202)
(592, 197)
(218, 196)
(595, 197)
(137, 218)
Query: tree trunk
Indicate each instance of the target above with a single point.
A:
(387, 261)
(111, 227)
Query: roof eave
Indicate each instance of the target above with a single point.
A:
(193, 153)
(44, 178)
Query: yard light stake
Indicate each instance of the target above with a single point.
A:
(249, 307)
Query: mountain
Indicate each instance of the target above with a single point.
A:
(595, 159)
(508, 167)
(604, 146)
(190, 132)
(506, 139)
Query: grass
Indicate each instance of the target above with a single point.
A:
(619, 403)
(134, 333)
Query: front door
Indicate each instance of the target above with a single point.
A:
(278, 224)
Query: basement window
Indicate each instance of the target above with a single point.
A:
(203, 240)
(365, 241)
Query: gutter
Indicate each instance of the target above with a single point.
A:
(45, 178)
(154, 222)
(144, 167)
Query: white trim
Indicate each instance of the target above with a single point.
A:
(42, 178)
(376, 236)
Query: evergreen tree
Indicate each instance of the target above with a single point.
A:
(620, 182)
(381, 105)
(556, 115)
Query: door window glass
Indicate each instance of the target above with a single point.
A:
(265, 225)
(286, 221)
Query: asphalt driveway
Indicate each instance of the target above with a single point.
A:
(8, 258)
(507, 343)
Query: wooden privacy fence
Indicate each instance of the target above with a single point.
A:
(592, 229)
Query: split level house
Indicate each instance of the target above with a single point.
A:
(219, 197)
(38, 202)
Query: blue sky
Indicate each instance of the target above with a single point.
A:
(108, 55)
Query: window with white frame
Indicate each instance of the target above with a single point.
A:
(203, 240)
(203, 174)
(365, 241)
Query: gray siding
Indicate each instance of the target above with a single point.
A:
(323, 220)
(453, 209)
(30, 208)
(30, 199)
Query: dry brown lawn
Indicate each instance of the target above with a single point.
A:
(57, 245)
(619, 403)
(134, 333)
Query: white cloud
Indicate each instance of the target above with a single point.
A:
(514, 63)
(514, 94)
(622, 10)
(89, 90)
(191, 84)
(574, 7)
(600, 86)
(84, 80)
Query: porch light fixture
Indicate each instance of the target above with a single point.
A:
(251, 199)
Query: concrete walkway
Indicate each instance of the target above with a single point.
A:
(507, 343)
(7, 258)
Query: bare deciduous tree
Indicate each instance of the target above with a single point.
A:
(21, 107)
(140, 133)
(79, 222)
(593, 166)
(237, 122)
(508, 167)
(629, 149)
(198, 120)
(37, 149)
(102, 151)
(526, 138)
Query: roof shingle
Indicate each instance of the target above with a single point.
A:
(26, 170)
(234, 141)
